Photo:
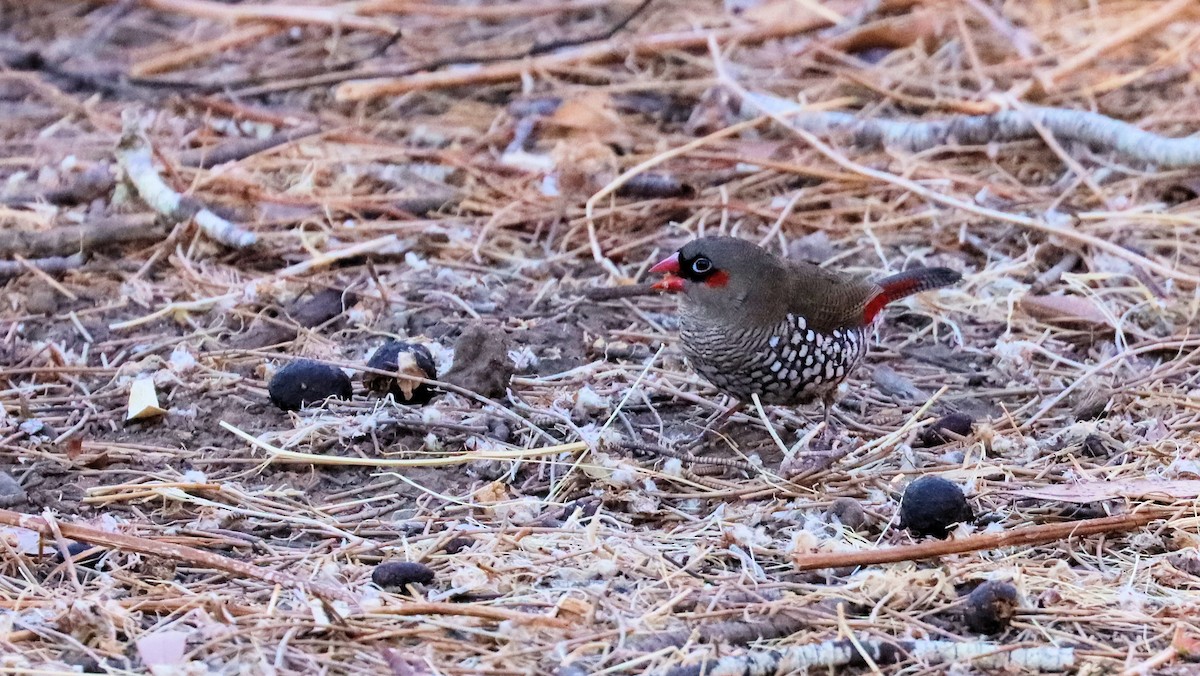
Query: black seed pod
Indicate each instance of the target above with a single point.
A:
(399, 574)
(304, 382)
(990, 607)
(932, 506)
(959, 424)
(399, 357)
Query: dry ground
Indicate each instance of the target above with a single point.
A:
(414, 196)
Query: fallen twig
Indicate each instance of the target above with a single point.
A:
(471, 610)
(840, 653)
(774, 108)
(1153, 20)
(133, 543)
(177, 58)
(280, 455)
(513, 69)
(717, 461)
(135, 158)
(602, 293)
(341, 16)
(53, 264)
(82, 238)
(240, 149)
(1031, 535)
(90, 184)
(1098, 130)
(737, 632)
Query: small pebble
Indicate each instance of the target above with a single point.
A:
(498, 429)
(849, 512)
(1091, 405)
(990, 607)
(400, 574)
(304, 382)
(1097, 446)
(932, 506)
(457, 544)
(481, 362)
(93, 552)
(400, 357)
(1188, 561)
(84, 662)
(41, 300)
(11, 492)
(956, 423)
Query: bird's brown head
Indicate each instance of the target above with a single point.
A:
(724, 276)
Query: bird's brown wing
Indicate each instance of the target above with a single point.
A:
(828, 300)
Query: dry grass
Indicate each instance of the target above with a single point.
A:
(239, 539)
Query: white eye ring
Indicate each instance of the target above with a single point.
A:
(701, 266)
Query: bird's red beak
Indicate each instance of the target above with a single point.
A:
(671, 283)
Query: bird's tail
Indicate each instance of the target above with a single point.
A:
(907, 283)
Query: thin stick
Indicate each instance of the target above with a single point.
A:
(51, 264)
(134, 154)
(45, 277)
(286, 456)
(589, 208)
(1081, 378)
(333, 17)
(240, 149)
(177, 58)
(377, 245)
(1164, 14)
(918, 189)
(1032, 535)
(133, 543)
(469, 610)
(363, 90)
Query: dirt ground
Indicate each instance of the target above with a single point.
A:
(421, 171)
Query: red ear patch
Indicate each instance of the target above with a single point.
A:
(717, 280)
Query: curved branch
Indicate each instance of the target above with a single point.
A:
(1099, 131)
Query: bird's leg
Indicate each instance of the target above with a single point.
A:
(828, 400)
(717, 422)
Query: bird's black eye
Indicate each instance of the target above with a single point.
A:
(701, 265)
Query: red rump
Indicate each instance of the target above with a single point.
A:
(906, 284)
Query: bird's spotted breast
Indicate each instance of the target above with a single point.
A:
(788, 363)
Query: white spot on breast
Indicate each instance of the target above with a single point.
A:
(776, 366)
(809, 361)
(841, 371)
(774, 341)
(811, 336)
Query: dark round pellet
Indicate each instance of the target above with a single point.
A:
(458, 544)
(932, 506)
(990, 607)
(958, 424)
(400, 574)
(387, 358)
(304, 382)
(849, 512)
